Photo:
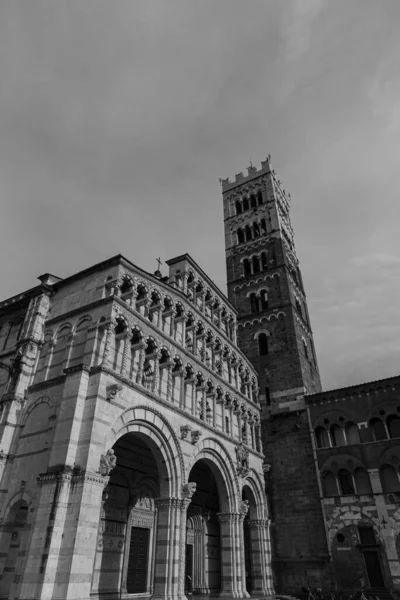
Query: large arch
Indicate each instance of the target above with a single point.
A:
(214, 453)
(162, 439)
(253, 481)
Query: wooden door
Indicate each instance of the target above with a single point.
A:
(138, 561)
(373, 565)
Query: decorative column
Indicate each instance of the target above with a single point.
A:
(68, 349)
(261, 574)
(142, 356)
(169, 381)
(126, 356)
(156, 378)
(188, 489)
(110, 329)
(230, 556)
(243, 510)
(168, 569)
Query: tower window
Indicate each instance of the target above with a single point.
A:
(298, 307)
(259, 198)
(246, 267)
(240, 236)
(263, 226)
(264, 300)
(238, 206)
(256, 265)
(254, 306)
(267, 396)
(305, 348)
(262, 344)
(256, 230)
(246, 205)
(253, 201)
(248, 233)
(263, 261)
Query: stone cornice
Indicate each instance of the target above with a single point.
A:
(355, 391)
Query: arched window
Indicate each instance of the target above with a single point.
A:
(363, 483)
(389, 479)
(264, 261)
(337, 436)
(248, 233)
(263, 226)
(254, 307)
(305, 348)
(246, 267)
(253, 201)
(329, 485)
(298, 307)
(346, 482)
(238, 206)
(352, 434)
(264, 300)
(240, 236)
(246, 205)
(263, 344)
(259, 198)
(379, 429)
(393, 423)
(256, 230)
(256, 264)
(322, 437)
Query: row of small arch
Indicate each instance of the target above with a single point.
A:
(126, 284)
(252, 201)
(251, 231)
(347, 433)
(345, 482)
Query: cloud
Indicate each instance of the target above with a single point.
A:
(376, 260)
(299, 18)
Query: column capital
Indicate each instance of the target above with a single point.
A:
(227, 517)
(258, 523)
(167, 503)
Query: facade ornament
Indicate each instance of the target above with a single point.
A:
(188, 489)
(244, 507)
(112, 390)
(242, 456)
(107, 462)
(185, 429)
(195, 436)
(266, 468)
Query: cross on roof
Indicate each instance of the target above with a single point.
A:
(159, 262)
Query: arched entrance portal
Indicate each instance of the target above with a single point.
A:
(203, 539)
(126, 546)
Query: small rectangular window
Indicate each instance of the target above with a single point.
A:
(267, 396)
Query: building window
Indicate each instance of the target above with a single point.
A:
(346, 482)
(329, 485)
(227, 429)
(264, 300)
(352, 434)
(337, 436)
(256, 265)
(254, 306)
(322, 437)
(379, 429)
(305, 348)
(367, 535)
(240, 236)
(238, 206)
(267, 396)
(363, 482)
(246, 267)
(253, 201)
(389, 479)
(262, 344)
(259, 198)
(246, 205)
(393, 424)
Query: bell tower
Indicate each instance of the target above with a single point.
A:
(274, 331)
(265, 286)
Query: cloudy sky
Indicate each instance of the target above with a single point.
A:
(118, 117)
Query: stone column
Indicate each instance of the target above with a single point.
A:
(243, 510)
(156, 378)
(188, 489)
(168, 550)
(68, 349)
(260, 558)
(231, 576)
(139, 373)
(110, 329)
(126, 356)
(169, 381)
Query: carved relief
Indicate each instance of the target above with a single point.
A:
(107, 462)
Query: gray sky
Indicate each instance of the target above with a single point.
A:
(118, 117)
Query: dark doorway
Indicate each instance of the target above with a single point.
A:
(189, 569)
(137, 563)
(373, 566)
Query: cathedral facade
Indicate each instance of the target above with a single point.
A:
(131, 457)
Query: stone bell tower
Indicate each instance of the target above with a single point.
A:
(265, 285)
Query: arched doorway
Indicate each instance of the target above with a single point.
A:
(203, 538)
(125, 560)
(14, 546)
